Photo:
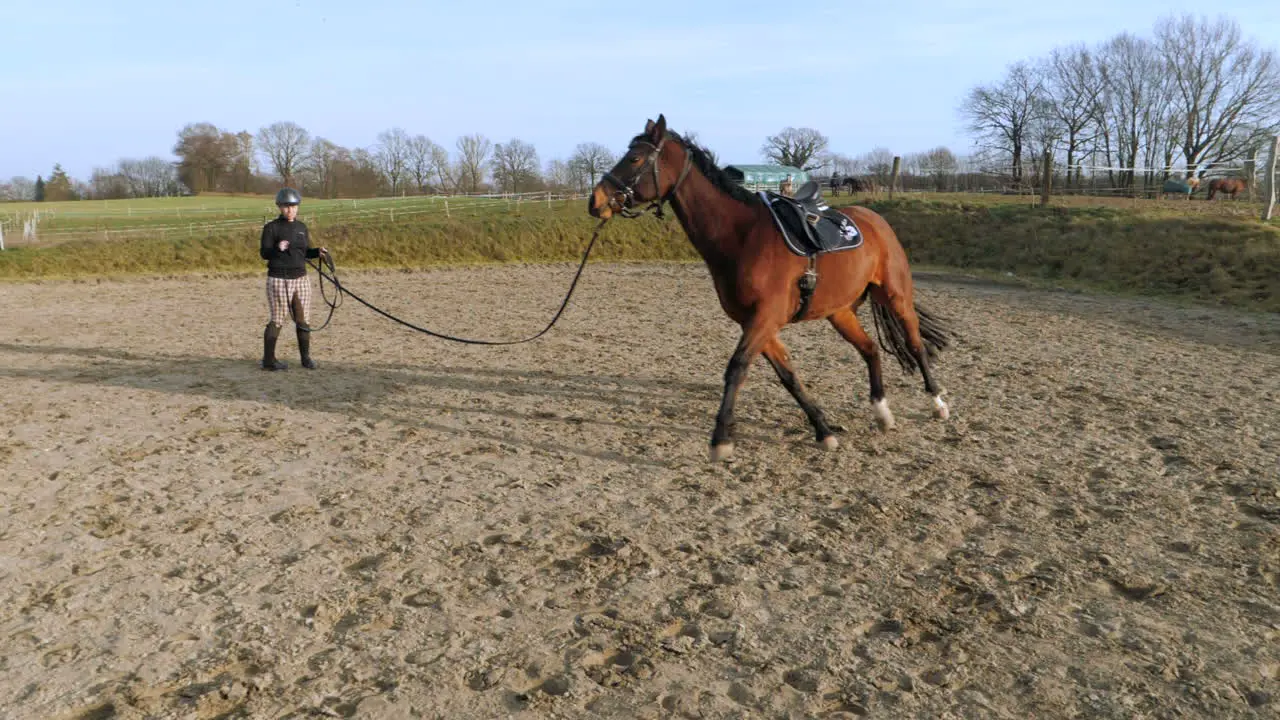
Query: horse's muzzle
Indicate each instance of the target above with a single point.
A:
(601, 204)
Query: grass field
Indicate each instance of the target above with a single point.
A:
(216, 213)
(1216, 253)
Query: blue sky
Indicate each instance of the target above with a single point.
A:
(86, 83)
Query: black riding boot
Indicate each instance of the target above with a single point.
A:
(304, 347)
(269, 337)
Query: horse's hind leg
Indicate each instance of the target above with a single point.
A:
(846, 323)
(776, 353)
(903, 308)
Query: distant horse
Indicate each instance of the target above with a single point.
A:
(1227, 186)
(758, 279)
(1182, 187)
(854, 184)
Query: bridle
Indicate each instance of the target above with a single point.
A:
(627, 189)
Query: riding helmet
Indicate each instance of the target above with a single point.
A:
(288, 196)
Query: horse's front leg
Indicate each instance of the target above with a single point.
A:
(776, 353)
(749, 346)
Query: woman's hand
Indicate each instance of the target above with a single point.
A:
(282, 245)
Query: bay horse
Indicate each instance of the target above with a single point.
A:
(757, 279)
(1226, 186)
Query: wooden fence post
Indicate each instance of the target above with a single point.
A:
(1046, 178)
(893, 177)
(1271, 179)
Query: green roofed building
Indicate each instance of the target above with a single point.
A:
(766, 177)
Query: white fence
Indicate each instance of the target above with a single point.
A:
(326, 212)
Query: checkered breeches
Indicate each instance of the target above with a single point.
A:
(281, 292)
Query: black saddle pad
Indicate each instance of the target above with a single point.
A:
(833, 230)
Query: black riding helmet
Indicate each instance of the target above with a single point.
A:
(288, 196)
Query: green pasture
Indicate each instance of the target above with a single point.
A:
(208, 215)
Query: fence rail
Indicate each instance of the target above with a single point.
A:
(40, 227)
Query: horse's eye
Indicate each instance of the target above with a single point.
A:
(633, 158)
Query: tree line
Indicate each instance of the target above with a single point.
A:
(213, 159)
(1193, 97)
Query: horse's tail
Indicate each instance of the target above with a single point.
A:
(933, 330)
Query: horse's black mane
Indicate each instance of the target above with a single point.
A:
(719, 178)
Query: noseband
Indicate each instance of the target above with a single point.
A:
(627, 189)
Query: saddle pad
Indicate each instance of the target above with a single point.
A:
(835, 231)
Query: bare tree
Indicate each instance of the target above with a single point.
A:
(1073, 88)
(878, 164)
(938, 163)
(421, 161)
(150, 177)
(392, 156)
(515, 165)
(322, 158)
(473, 154)
(1223, 85)
(445, 171)
(561, 175)
(1130, 70)
(590, 161)
(1044, 133)
(1160, 123)
(244, 166)
(21, 188)
(1000, 115)
(126, 178)
(285, 144)
(106, 184)
(796, 147)
(841, 165)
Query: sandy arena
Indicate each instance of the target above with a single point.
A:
(426, 529)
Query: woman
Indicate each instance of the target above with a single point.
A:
(286, 247)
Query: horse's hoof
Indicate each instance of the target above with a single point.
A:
(721, 452)
(884, 416)
(940, 408)
(830, 442)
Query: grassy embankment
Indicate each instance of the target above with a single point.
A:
(1205, 252)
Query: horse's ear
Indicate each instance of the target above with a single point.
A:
(660, 130)
(648, 127)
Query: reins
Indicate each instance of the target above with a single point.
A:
(337, 298)
(332, 277)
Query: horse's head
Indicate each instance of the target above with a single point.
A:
(650, 170)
